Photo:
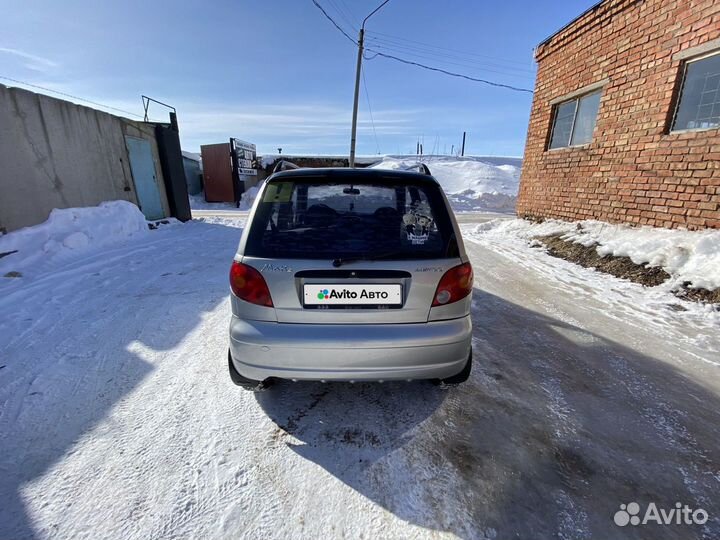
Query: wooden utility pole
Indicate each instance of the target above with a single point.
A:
(462, 152)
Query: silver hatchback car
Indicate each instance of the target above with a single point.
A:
(350, 275)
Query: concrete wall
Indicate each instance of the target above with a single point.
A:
(55, 154)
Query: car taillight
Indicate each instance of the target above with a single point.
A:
(249, 285)
(455, 285)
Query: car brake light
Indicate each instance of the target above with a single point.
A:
(249, 285)
(455, 285)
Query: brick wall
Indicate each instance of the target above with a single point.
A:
(634, 170)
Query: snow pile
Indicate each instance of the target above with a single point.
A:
(471, 183)
(522, 228)
(248, 198)
(198, 202)
(688, 256)
(69, 232)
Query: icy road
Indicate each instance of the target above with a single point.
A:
(118, 418)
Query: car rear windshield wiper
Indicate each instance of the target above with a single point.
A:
(337, 263)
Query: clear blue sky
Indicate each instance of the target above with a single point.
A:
(277, 73)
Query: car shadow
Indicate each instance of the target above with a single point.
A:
(61, 380)
(556, 428)
(350, 428)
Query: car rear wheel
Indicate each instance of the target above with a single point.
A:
(460, 377)
(244, 382)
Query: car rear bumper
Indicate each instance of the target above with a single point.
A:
(260, 350)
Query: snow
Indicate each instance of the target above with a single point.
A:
(70, 233)
(471, 183)
(119, 420)
(690, 257)
(631, 304)
(194, 156)
(198, 202)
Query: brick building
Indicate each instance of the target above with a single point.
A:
(625, 118)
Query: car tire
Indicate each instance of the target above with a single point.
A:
(244, 382)
(460, 377)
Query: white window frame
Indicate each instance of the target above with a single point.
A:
(576, 96)
(686, 63)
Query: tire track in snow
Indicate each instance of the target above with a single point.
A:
(489, 459)
(64, 308)
(627, 303)
(583, 367)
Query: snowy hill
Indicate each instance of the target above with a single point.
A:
(471, 182)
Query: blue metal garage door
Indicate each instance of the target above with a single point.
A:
(143, 171)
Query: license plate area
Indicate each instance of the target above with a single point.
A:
(352, 296)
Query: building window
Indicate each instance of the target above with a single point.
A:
(699, 103)
(574, 121)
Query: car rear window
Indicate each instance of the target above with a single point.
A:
(318, 218)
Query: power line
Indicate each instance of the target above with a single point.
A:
(452, 74)
(351, 16)
(336, 25)
(410, 62)
(420, 51)
(343, 14)
(388, 37)
(372, 121)
(462, 63)
(69, 95)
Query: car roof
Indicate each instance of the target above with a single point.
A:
(347, 174)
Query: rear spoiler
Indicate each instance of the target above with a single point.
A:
(421, 167)
(284, 165)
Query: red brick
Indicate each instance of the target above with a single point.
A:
(633, 170)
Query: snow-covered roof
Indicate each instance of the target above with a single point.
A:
(191, 155)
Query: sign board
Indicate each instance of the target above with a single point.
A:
(244, 155)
